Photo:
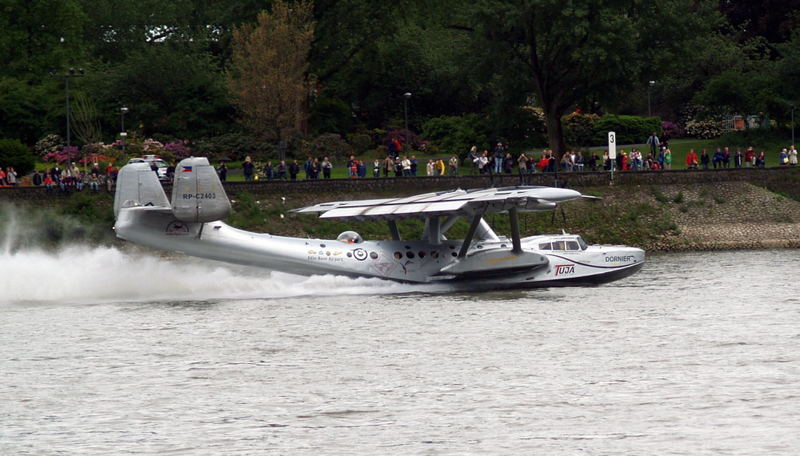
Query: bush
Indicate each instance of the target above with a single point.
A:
(361, 142)
(328, 145)
(14, 154)
(629, 129)
(454, 135)
(704, 129)
(671, 129)
(49, 144)
(579, 128)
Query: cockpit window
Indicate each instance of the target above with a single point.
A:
(572, 245)
(544, 246)
(582, 243)
(350, 237)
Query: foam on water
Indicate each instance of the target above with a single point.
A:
(106, 274)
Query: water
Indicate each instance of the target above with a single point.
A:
(111, 352)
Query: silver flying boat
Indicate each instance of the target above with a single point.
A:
(191, 224)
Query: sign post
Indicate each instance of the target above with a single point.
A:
(612, 152)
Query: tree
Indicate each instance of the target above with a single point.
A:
(269, 77)
(84, 119)
(587, 49)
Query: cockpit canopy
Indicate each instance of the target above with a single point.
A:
(567, 244)
(350, 237)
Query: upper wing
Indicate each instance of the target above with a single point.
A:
(454, 202)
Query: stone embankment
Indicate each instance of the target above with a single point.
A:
(698, 210)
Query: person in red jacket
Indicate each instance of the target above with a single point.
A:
(691, 159)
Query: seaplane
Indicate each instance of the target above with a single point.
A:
(191, 224)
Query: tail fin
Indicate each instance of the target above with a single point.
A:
(198, 195)
(138, 185)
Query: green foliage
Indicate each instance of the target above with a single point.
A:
(629, 129)
(235, 146)
(679, 198)
(26, 110)
(454, 135)
(13, 153)
(361, 142)
(329, 115)
(659, 196)
(330, 145)
(579, 128)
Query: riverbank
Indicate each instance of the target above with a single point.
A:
(686, 211)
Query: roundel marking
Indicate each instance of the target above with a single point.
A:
(360, 254)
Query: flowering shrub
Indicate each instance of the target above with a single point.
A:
(48, 144)
(151, 146)
(178, 149)
(62, 155)
(671, 129)
(406, 137)
(704, 129)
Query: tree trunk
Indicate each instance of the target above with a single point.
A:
(555, 133)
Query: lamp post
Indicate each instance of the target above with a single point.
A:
(406, 96)
(649, 86)
(123, 134)
(71, 73)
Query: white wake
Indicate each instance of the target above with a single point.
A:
(83, 274)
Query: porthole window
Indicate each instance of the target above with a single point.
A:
(453, 254)
(349, 254)
(398, 255)
(373, 255)
(410, 254)
(422, 254)
(435, 254)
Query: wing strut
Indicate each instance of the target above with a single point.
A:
(476, 220)
(514, 218)
(393, 229)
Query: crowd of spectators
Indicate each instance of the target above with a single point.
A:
(67, 179)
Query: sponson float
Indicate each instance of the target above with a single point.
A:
(191, 224)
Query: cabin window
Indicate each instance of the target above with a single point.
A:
(572, 245)
(559, 245)
(544, 246)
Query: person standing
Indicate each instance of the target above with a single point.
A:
(327, 166)
(704, 159)
(248, 168)
(222, 172)
(452, 166)
(499, 155)
(792, 156)
(376, 168)
(738, 158)
(294, 170)
(653, 142)
(667, 158)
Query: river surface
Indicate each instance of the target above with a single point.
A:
(106, 352)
